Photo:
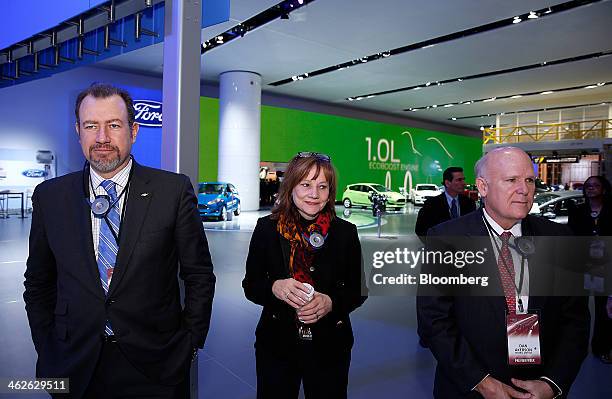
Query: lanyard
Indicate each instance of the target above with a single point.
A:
(518, 288)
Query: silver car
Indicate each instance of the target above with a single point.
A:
(555, 205)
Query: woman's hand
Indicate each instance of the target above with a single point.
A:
(290, 291)
(316, 309)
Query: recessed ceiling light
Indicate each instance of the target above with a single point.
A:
(532, 15)
(489, 99)
(448, 105)
(590, 87)
(516, 96)
(547, 92)
(516, 20)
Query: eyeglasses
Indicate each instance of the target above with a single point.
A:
(318, 155)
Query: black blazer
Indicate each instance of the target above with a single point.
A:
(435, 211)
(582, 224)
(65, 302)
(467, 333)
(337, 271)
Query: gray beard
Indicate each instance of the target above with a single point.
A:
(106, 165)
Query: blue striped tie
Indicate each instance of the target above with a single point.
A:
(107, 245)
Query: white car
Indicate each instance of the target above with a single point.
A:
(555, 205)
(420, 193)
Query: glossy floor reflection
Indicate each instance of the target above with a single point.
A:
(387, 360)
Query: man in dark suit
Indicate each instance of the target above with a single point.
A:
(466, 329)
(448, 205)
(101, 287)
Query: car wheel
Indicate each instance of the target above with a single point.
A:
(223, 214)
(237, 211)
(347, 203)
(229, 216)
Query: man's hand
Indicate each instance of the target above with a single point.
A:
(291, 291)
(490, 388)
(537, 388)
(314, 310)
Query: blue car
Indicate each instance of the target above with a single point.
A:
(219, 200)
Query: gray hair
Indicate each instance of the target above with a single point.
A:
(480, 168)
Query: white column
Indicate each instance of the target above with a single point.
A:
(239, 134)
(181, 87)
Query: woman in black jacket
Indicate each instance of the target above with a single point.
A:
(305, 268)
(594, 218)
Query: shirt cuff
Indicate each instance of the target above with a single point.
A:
(473, 389)
(557, 391)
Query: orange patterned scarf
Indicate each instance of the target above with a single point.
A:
(302, 252)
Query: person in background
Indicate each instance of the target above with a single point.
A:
(594, 218)
(107, 247)
(449, 205)
(305, 268)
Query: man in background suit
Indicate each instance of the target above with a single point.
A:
(106, 244)
(467, 333)
(449, 205)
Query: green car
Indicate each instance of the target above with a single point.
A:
(358, 195)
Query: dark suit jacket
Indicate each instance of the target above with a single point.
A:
(337, 271)
(467, 333)
(66, 305)
(435, 211)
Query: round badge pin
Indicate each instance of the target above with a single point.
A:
(100, 206)
(316, 240)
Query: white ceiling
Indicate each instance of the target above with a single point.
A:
(329, 32)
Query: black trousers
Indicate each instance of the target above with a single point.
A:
(116, 377)
(601, 343)
(279, 373)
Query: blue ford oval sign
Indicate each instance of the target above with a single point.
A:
(148, 113)
(34, 173)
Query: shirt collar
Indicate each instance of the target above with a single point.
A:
(515, 230)
(120, 178)
(449, 198)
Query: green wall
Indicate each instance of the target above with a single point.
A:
(361, 151)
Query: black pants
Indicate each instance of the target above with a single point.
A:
(601, 343)
(115, 377)
(280, 373)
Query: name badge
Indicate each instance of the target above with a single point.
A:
(523, 331)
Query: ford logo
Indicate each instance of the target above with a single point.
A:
(34, 173)
(148, 113)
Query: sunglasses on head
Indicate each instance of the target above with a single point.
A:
(318, 155)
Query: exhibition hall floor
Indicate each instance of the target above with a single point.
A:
(387, 360)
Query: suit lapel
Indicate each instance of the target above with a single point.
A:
(477, 228)
(83, 236)
(136, 208)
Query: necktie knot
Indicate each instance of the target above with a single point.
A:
(505, 237)
(110, 188)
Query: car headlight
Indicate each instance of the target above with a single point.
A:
(215, 201)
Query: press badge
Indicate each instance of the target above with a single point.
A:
(523, 331)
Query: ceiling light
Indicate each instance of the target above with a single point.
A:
(516, 20)
(434, 106)
(540, 121)
(459, 80)
(590, 87)
(300, 78)
(386, 54)
(532, 15)
(370, 96)
(427, 84)
(294, 78)
(548, 11)
(219, 39)
(448, 105)
(468, 102)
(306, 75)
(359, 98)
(350, 99)
(547, 92)
(481, 128)
(600, 84)
(301, 1)
(489, 99)
(453, 118)
(516, 96)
